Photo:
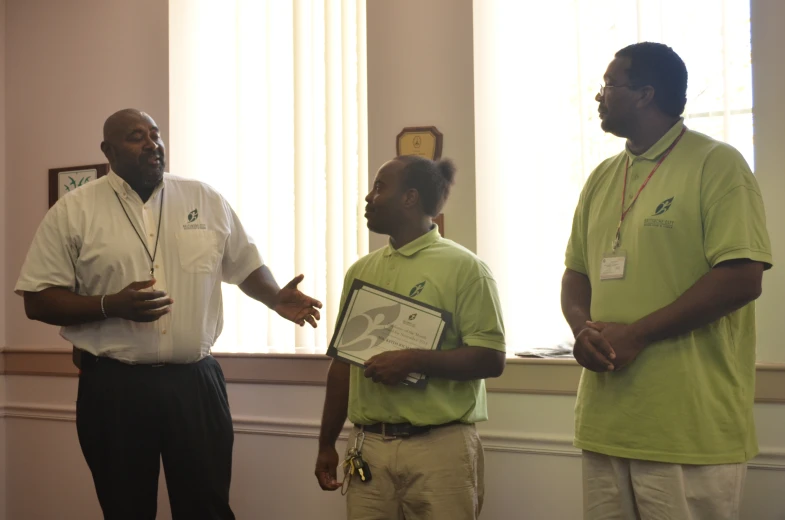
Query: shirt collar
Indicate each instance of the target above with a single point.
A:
(125, 190)
(653, 153)
(417, 245)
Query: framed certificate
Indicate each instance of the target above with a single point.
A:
(425, 141)
(63, 180)
(374, 320)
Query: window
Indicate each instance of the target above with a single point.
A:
(538, 135)
(267, 105)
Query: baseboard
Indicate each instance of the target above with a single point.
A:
(493, 440)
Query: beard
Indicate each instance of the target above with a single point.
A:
(139, 172)
(151, 174)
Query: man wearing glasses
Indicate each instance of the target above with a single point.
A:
(665, 259)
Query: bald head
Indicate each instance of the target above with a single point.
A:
(133, 146)
(116, 124)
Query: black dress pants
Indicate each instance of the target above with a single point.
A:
(130, 417)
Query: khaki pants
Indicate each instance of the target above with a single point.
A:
(628, 489)
(434, 476)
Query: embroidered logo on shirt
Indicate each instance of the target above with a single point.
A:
(662, 208)
(417, 289)
(192, 218)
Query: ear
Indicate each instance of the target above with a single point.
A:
(107, 149)
(646, 97)
(411, 198)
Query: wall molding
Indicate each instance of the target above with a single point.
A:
(493, 440)
(522, 376)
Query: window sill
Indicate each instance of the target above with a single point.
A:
(521, 376)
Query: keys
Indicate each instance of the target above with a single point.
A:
(362, 469)
(354, 463)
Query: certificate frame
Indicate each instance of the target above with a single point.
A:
(64, 180)
(425, 141)
(384, 328)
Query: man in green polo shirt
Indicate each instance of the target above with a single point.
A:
(429, 462)
(661, 305)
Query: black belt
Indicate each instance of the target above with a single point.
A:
(388, 430)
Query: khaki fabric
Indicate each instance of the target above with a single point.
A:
(434, 476)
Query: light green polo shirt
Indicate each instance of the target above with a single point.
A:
(688, 399)
(441, 273)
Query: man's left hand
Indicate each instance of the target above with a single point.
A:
(390, 368)
(296, 306)
(624, 340)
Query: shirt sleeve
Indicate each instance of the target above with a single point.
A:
(479, 314)
(575, 256)
(52, 256)
(241, 256)
(734, 220)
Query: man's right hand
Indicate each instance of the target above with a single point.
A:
(326, 466)
(134, 303)
(592, 351)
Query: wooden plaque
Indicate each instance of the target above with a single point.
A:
(425, 141)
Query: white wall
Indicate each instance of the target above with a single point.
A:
(420, 74)
(768, 78)
(532, 470)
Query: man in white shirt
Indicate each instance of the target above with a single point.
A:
(130, 266)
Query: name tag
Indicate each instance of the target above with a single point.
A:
(613, 266)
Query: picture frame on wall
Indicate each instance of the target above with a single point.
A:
(65, 180)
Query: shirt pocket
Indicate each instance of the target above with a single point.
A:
(199, 249)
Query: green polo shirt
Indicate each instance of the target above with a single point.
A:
(688, 399)
(443, 274)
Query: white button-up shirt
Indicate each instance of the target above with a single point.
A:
(87, 244)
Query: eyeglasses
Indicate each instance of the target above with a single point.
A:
(603, 88)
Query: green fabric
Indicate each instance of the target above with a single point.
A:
(454, 280)
(688, 399)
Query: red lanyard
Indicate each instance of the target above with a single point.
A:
(617, 241)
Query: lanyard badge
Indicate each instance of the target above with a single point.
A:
(614, 263)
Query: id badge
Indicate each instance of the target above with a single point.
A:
(613, 265)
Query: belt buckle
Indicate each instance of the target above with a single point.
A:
(158, 365)
(392, 436)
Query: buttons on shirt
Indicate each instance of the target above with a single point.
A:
(163, 331)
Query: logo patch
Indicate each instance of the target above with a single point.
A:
(664, 206)
(661, 209)
(193, 216)
(417, 289)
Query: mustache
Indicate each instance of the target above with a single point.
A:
(146, 157)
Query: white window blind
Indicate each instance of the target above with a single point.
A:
(538, 136)
(267, 105)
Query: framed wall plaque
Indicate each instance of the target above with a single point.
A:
(64, 180)
(420, 140)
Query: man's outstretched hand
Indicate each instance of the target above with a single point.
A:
(296, 306)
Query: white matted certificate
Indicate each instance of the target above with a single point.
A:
(374, 320)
